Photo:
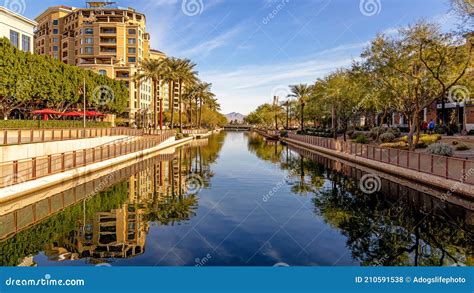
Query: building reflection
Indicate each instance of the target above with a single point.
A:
(121, 232)
(107, 215)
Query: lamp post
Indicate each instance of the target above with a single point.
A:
(84, 100)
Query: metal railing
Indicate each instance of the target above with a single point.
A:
(457, 169)
(19, 171)
(195, 131)
(25, 136)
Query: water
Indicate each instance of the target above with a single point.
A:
(238, 200)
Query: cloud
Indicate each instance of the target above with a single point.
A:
(206, 47)
(245, 87)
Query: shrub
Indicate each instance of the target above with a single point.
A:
(441, 149)
(374, 132)
(387, 137)
(440, 129)
(462, 147)
(395, 131)
(395, 145)
(425, 138)
(361, 139)
(179, 136)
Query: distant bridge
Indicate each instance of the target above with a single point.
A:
(237, 127)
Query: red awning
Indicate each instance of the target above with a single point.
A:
(46, 112)
(94, 114)
(73, 114)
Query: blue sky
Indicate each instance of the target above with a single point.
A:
(251, 50)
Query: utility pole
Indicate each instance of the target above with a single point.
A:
(84, 100)
(275, 105)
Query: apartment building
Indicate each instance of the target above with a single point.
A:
(102, 37)
(17, 28)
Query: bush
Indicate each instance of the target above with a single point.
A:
(462, 147)
(387, 137)
(395, 131)
(425, 138)
(395, 145)
(441, 149)
(374, 132)
(440, 129)
(39, 124)
(283, 133)
(361, 139)
(179, 136)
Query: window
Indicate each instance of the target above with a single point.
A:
(14, 38)
(55, 40)
(132, 50)
(88, 31)
(55, 31)
(88, 40)
(88, 50)
(132, 41)
(55, 48)
(102, 72)
(132, 31)
(25, 43)
(55, 22)
(132, 59)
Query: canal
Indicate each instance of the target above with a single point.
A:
(235, 199)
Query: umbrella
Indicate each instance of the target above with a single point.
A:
(94, 114)
(73, 114)
(45, 113)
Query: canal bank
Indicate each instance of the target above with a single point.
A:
(236, 199)
(451, 186)
(24, 188)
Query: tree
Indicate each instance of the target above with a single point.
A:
(302, 92)
(152, 70)
(419, 67)
(186, 75)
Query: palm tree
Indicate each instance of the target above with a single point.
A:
(152, 69)
(187, 76)
(170, 68)
(302, 92)
(206, 97)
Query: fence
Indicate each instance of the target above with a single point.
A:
(22, 136)
(15, 172)
(456, 169)
(195, 131)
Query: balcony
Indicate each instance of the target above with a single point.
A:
(108, 41)
(108, 30)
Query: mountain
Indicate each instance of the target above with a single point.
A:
(235, 116)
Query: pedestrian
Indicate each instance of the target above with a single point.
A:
(424, 126)
(431, 126)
